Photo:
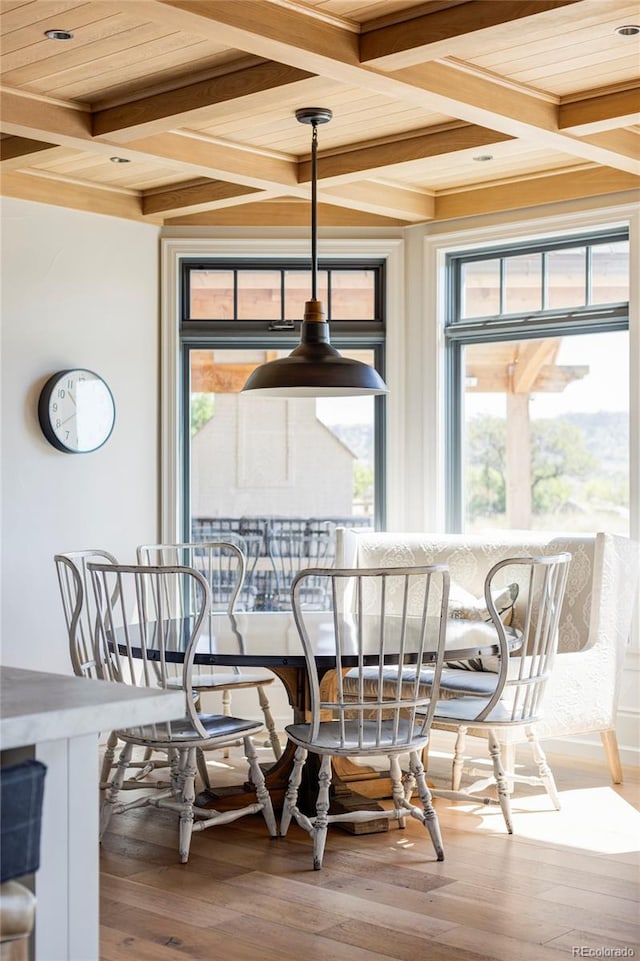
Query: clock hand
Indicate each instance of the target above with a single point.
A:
(70, 417)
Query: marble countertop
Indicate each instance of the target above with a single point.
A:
(37, 706)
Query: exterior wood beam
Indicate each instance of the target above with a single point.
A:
(530, 359)
(453, 31)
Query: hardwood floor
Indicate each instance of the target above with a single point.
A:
(565, 885)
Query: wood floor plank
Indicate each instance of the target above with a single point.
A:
(556, 885)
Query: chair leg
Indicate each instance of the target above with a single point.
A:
(188, 796)
(610, 744)
(257, 779)
(501, 780)
(289, 807)
(113, 790)
(269, 723)
(321, 822)
(544, 771)
(107, 760)
(458, 758)
(202, 769)
(399, 790)
(429, 818)
(226, 710)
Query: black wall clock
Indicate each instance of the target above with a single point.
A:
(76, 411)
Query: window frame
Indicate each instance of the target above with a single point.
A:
(459, 333)
(387, 352)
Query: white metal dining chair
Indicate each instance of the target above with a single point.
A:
(140, 641)
(507, 702)
(80, 619)
(222, 563)
(394, 726)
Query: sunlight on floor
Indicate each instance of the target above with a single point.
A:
(594, 819)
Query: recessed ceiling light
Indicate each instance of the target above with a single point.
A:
(483, 157)
(628, 30)
(119, 160)
(58, 34)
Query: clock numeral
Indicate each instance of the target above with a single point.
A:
(54, 407)
(61, 392)
(58, 422)
(70, 384)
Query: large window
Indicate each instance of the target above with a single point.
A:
(538, 385)
(257, 467)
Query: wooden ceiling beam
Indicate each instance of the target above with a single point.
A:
(18, 152)
(283, 213)
(599, 112)
(195, 198)
(413, 206)
(454, 31)
(287, 35)
(532, 192)
(96, 200)
(191, 104)
(394, 155)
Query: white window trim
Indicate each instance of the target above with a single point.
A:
(173, 250)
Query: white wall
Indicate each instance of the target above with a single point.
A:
(78, 290)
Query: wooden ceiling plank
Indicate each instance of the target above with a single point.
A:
(533, 192)
(448, 32)
(600, 112)
(186, 105)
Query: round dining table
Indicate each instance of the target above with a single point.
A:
(270, 639)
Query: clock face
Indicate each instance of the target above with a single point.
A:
(76, 411)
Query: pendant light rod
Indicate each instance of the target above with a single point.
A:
(314, 116)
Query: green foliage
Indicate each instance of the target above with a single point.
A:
(202, 410)
(362, 482)
(559, 458)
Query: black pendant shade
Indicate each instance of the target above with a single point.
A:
(314, 368)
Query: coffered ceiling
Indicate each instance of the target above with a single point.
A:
(441, 109)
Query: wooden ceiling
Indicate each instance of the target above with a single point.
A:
(442, 109)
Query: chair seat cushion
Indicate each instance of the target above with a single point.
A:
(375, 738)
(465, 710)
(182, 733)
(452, 680)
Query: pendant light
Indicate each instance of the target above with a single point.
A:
(314, 368)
